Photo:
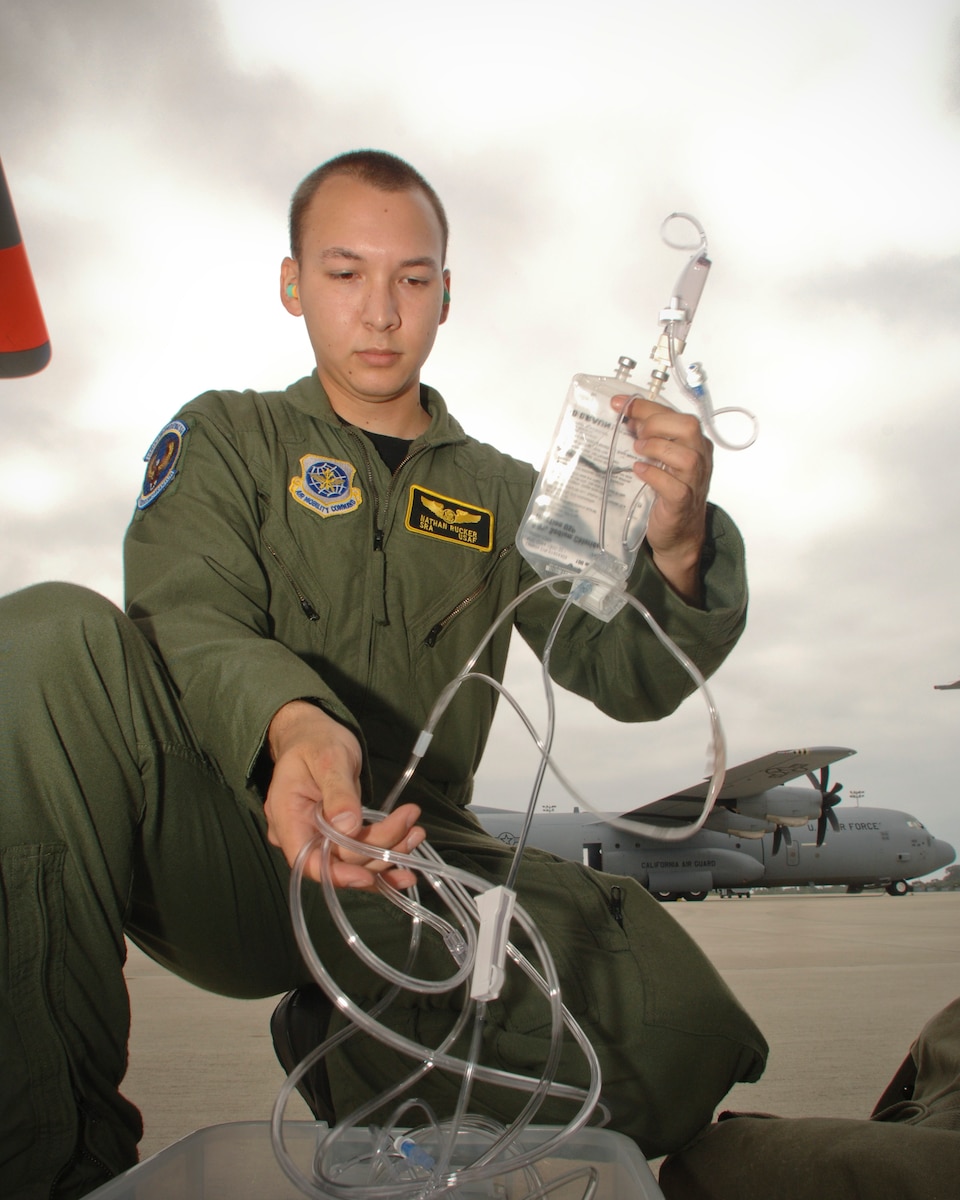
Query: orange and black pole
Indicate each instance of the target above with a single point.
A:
(24, 342)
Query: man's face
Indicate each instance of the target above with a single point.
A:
(370, 284)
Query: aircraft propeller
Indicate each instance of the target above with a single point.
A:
(828, 799)
(781, 834)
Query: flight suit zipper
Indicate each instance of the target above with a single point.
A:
(379, 534)
(437, 630)
(305, 606)
(80, 1155)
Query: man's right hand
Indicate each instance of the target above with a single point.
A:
(317, 762)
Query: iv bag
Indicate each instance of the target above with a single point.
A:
(588, 513)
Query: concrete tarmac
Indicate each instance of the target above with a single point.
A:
(840, 986)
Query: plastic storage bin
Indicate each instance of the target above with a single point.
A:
(236, 1162)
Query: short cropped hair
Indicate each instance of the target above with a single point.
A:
(375, 167)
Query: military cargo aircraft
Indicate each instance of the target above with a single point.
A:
(760, 834)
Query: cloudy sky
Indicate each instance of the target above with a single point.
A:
(151, 151)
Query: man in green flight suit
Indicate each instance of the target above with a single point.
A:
(305, 571)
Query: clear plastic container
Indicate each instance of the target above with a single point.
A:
(236, 1162)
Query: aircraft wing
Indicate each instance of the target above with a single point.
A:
(747, 779)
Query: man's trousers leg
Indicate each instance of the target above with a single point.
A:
(111, 820)
(909, 1149)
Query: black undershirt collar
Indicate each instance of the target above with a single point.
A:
(392, 450)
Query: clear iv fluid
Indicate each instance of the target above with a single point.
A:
(589, 510)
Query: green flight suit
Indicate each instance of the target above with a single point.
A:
(908, 1149)
(274, 557)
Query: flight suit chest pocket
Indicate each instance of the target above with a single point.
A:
(297, 596)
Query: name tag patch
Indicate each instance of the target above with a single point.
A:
(326, 486)
(450, 520)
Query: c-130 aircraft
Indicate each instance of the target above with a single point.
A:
(760, 834)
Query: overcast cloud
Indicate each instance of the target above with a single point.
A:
(151, 151)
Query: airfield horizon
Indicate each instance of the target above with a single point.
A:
(839, 984)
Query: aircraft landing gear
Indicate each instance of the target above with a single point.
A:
(667, 897)
(899, 887)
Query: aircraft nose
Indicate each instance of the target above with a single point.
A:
(943, 853)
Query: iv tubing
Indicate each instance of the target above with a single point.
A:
(451, 885)
(547, 744)
(642, 496)
(664, 833)
(700, 399)
(486, 1167)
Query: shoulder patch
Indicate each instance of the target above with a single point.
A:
(326, 486)
(450, 520)
(161, 460)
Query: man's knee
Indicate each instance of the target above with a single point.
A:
(45, 622)
(49, 607)
(51, 632)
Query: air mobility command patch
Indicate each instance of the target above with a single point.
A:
(326, 486)
(451, 520)
(161, 460)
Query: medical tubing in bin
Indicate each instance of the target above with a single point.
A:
(457, 893)
(454, 887)
(488, 1165)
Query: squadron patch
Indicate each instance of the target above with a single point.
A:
(326, 486)
(450, 520)
(161, 460)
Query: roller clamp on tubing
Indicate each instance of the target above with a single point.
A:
(495, 909)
